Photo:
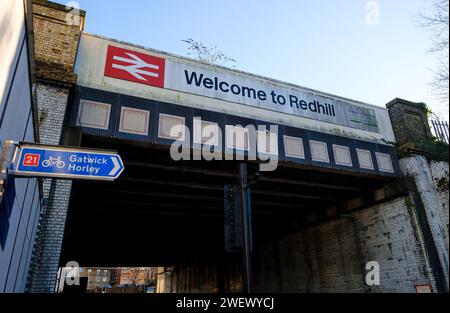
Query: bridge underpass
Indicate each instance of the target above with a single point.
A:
(163, 213)
(308, 236)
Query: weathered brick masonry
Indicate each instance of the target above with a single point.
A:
(418, 167)
(426, 162)
(330, 257)
(56, 43)
(440, 175)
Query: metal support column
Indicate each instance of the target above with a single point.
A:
(247, 229)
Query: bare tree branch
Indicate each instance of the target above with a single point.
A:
(205, 54)
(436, 21)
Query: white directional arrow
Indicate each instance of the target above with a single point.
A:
(135, 67)
(116, 167)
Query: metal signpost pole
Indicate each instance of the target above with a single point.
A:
(246, 211)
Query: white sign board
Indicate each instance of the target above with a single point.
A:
(119, 67)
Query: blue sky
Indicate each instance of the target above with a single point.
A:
(324, 44)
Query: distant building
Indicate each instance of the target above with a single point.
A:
(136, 276)
(98, 277)
(102, 278)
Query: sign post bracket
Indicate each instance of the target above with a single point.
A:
(6, 159)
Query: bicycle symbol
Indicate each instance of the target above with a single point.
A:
(54, 161)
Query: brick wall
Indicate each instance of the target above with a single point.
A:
(56, 39)
(440, 175)
(418, 167)
(56, 44)
(45, 260)
(328, 257)
(409, 121)
(201, 276)
(419, 155)
(331, 257)
(52, 102)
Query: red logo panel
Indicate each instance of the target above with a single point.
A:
(135, 67)
(31, 159)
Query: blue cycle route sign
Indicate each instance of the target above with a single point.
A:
(64, 162)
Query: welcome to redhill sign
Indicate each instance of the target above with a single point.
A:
(214, 82)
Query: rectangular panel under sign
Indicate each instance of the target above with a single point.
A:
(319, 151)
(94, 114)
(294, 147)
(134, 121)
